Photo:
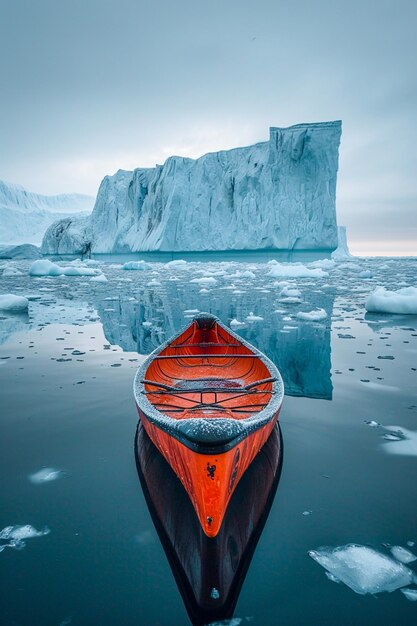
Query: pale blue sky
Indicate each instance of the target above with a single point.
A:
(91, 86)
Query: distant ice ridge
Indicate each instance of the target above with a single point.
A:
(276, 194)
(25, 216)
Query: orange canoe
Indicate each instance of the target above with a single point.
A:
(209, 401)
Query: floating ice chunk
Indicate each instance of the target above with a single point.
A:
(372, 423)
(191, 311)
(235, 621)
(295, 270)
(325, 264)
(312, 316)
(99, 279)
(178, 264)
(11, 271)
(402, 554)
(45, 475)
(403, 301)
(363, 569)
(204, 290)
(365, 274)
(136, 265)
(410, 594)
(402, 441)
(13, 304)
(14, 536)
(234, 323)
(204, 280)
(291, 292)
(44, 267)
(147, 324)
(254, 318)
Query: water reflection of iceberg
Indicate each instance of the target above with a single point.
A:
(301, 352)
(209, 572)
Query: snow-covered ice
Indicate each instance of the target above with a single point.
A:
(363, 569)
(403, 301)
(15, 536)
(13, 304)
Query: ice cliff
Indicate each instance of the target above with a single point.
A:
(276, 194)
(24, 216)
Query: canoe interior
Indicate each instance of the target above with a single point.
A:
(207, 372)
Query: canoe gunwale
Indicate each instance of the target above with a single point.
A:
(181, 429)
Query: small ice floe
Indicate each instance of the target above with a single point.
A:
(290, 292)
(363, 569)
(44, 267)
(324, 264)
(14, 536)
(372, 423)
(99, 279)
(146, 324)
(234, 323)
(204, 290)
(235, 621)
(254, 318)
(154, 283)
(11, 271)
(179, 264)
(401, 441)
(403, 301)
(204, 280)
(365, 274)
(402, 554)
(312, 316)
(136, 265)
(191, 311)
(45, 475)
(410, 594)
(294, 270)
(13, 304)
(306, 513)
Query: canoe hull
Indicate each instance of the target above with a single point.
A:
(209, 479)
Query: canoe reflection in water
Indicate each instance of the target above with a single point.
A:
(209, 571)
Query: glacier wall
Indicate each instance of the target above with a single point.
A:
(24, 215)
(278, 194)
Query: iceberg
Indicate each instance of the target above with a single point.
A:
(277, 194)
(24, 216)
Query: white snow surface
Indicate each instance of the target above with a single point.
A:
(275, 194)
(25, 216)
(13, 304)
(363, 569)
(403, 301)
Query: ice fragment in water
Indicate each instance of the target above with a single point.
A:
(363, 569)
(45, 475)
(410, 594)
(402, 554)
(14, 536)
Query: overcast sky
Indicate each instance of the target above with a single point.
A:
(91, 86)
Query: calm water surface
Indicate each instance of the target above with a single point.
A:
(66, 403)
